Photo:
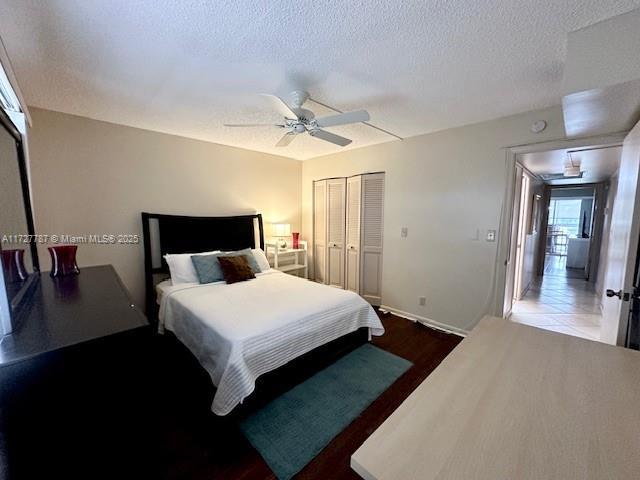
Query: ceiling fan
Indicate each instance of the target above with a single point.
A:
(298, 120)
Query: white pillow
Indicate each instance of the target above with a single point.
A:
(261, 258)
(181, 267)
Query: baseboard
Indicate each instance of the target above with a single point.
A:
(425, 321)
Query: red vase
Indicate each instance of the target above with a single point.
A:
(13, 264)
(63, 260)
(296, 240)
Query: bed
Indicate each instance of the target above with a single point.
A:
(242, 331)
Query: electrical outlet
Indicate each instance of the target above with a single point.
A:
(404, 232)
(422, 301)
(491, 235)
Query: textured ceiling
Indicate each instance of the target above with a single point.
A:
(597, 164)
(186, 67)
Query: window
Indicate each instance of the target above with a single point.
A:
(8, 99)
(564, 216)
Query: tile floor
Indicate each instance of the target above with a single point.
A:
(561, 301)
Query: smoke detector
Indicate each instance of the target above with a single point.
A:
(538, 126)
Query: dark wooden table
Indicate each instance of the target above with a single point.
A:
(67, 311)
(76, 378)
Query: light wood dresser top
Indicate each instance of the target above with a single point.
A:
(515, 402)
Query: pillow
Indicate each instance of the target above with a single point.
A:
(207, 267)
(236, 269)
(181, 267)
(261, 259)
(251, 260)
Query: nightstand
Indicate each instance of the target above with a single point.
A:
(288, 260)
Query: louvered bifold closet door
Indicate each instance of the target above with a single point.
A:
(336, 193)
(352, 252)
(320, 231)
(371, 229)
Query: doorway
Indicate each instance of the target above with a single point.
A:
(559, 221)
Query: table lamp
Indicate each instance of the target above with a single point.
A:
(281, 231)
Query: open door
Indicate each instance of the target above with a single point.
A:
(623, 245)
(522, 236)
(633, 329)
(510, 262)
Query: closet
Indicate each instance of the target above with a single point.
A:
(347, 233)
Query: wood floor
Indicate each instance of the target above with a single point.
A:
(157, 423)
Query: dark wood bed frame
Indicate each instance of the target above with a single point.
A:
(185, 234)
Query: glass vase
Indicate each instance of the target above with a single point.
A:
(63, 260)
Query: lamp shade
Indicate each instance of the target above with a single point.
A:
(281, 229)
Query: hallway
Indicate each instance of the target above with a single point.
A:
(561, 301)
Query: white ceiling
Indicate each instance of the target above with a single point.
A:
(598, 111)
(597, 164)
(186, 67)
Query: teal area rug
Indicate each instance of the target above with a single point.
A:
(292, 429)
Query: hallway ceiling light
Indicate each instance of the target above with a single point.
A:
(571, 167)
(570, 171)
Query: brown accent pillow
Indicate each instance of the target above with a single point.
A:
(235, 269)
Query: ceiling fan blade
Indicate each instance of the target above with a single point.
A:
(253, 125)
(343, 118)
(329, 137)
(282, 107)
(286, 139)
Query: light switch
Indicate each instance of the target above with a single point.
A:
(491, 235)
(404, 232)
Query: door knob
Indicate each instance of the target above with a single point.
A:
(619, 294)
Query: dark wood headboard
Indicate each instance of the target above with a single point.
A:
(164, 234)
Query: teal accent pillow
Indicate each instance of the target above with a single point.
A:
(208, 268)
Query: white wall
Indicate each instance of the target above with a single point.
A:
(95, 177)
(444, 187)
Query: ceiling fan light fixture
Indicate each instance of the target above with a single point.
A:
(301, 120)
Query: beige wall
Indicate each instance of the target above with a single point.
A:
(444, 187)
(95, 177)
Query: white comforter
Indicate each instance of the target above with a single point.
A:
(242, 330)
